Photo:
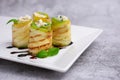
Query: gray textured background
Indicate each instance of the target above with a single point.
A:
(101, 61)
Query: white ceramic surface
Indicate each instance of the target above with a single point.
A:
(82, 37)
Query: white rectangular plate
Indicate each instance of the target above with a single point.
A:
(82, 37)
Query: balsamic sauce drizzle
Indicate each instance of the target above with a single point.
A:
(22, 48)
(64, 46)
(33, 57)
(70, 43)
(18, 52)
(15, 47)
(23, 55)
(10, 47)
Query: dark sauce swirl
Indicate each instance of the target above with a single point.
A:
(64, 46)
(27, 52)
(15, 52)
(10, 47)
(23, 55)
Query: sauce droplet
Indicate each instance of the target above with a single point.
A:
(70, 43)
(22, 55)
(10, 47)
(33, 57)
(15, 52)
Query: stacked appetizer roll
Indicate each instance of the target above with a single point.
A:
(20, 32)
(61, 31)
(40, 37)
(40, 33)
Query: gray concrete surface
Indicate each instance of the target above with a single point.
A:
(101, 61)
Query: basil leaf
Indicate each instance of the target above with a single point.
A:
(13, 20)
(53, 51)
(42, 54)
(50, 52)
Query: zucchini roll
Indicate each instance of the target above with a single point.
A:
(40, 37)
(20, 32)
(41, 16)
(61, 31)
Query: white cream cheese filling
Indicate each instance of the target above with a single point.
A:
(62, 18)
(25, 18)
(40, 23)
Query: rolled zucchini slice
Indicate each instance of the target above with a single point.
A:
(20, 31)
(61, 27)
(41, 16)
(40, 37)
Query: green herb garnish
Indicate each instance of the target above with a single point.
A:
(42, 54)
(48, 53)
(13, 20)
(33, 25)
(53, 51)
(44, 28)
